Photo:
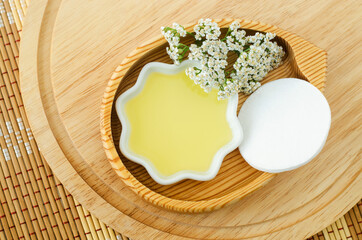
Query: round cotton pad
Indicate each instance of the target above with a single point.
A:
(285, 123)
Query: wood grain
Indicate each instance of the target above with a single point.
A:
(70, 49)
(236, 179)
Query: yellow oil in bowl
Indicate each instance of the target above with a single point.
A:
(176, 125)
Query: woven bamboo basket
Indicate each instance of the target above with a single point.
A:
(236, 179)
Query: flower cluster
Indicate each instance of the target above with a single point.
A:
(257, 55)
(177, 50)
(206, 29)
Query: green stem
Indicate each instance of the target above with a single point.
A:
(168, 28)
(184, 49)
(184, 52)
(183, 45)
(189, 33)
(198, 70)
(227, 34)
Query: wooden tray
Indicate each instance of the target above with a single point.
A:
(69, 50)
(236, 179)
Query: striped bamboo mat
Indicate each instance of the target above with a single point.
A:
(34, 203)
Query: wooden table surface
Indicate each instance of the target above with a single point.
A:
(70, 50)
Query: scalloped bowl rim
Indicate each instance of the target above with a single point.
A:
(231, 116)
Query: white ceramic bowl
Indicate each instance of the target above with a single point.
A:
(184, 174)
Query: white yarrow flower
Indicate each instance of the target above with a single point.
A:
(257, 56)
(180, 29)
(207, 29)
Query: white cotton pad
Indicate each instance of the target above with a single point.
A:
(285, 123)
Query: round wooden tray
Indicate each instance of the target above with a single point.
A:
(236, 179)
(70, 48)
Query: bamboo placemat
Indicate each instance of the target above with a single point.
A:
(34, 203)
